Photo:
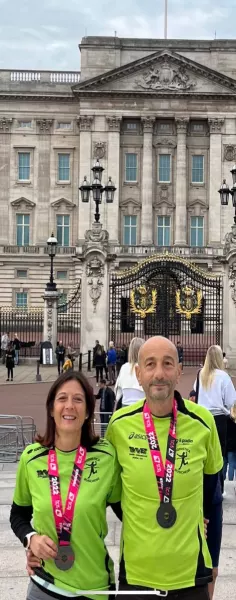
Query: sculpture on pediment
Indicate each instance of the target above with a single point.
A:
(165, 77)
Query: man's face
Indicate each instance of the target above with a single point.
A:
(158, 370)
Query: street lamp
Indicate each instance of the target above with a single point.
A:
(52, 244)
(224, 192)
(97, 189)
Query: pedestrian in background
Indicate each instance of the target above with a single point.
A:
(127, 388)
(180, 351)
(111, 363)
(94, 351)
(98, 364)
(107, 402)
(10, 362)
(104, 361)
(60, 354)
(4, 344)
(230, 458)
(225, 361)
(16, 345)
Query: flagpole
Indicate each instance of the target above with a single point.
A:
(165, 19)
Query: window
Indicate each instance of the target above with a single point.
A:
(131, 167)
(198, 169)
(163, 231)
(197, 231)
(21, 299)
(25, 124)
(62, 303)
(61, 274)
(198, 127)
(164, 168)
(166, 127)
(63, 125)
(63, 167)
(130, 230)
(24, 166)
(21, 273)
(22, 230)
(131, 126)
(63, 230)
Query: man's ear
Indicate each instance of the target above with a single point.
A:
(179, 372)
(138, 373)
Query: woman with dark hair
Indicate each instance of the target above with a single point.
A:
(64, 481)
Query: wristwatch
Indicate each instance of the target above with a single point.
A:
(27, 538)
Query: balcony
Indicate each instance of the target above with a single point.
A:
(40, 250)
(40, 81)
(185, 251)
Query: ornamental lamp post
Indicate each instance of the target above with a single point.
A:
(97, 189)
(52, 245)
(224, 192)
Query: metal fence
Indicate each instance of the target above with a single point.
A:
(101, 420)
(15, 434)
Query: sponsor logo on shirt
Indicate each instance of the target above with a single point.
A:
(91, 470)
(137, 436)
(42, 473)
(137, 453)
(182, 460)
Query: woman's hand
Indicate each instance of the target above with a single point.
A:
(32, 562)
(43, 547)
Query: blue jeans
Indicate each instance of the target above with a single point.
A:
(230, 460)
(16, 357)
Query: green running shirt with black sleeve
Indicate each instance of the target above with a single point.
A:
(93, 568)
(175, 558)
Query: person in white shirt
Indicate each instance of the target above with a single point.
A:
(215, 391)
(127, 388)
(225, 361)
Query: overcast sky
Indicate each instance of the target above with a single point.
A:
(44, 34)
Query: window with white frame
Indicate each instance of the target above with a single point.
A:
(131, 167)
(63, 167)
(197, 232)
(63, 125)
(24, 166)
(163, 231)
(130, 230)
(63, 230)
(25, 124)
(62, 274)
(21, 299)
(21, 273)
(164, 168)
(198, 168)
(22, 229)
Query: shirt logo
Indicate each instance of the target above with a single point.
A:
(137, 436)
(182, 460)
(43, 473)
(137, 453)
(91, 470)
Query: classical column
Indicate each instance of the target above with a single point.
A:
(94, 300)
(147, 180)
(50, 317)
(85, 157)
(113, 171)
(5, 177)
(181, 183)
(215, 125)
(44, 183)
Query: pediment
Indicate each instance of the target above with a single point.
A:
(160, 73)
(23, 203)
(63, 202)
(197, 202)
(128, 201)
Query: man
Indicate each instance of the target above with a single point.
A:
(107, 402)
(60, 354)
(180, 351)
(163, 544)
(95, 349)
(16, 345)
(4, 344)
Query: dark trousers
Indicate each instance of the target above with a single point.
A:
(99, 373)
(60, 363)
(196, 593)
(221, 426)
(10, 372)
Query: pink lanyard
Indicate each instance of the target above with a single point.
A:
(64, 520)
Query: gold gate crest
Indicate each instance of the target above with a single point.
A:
(188, 301)
(142, 301)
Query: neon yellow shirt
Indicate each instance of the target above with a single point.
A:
(165, 559)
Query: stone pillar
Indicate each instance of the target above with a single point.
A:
(5, 173)
(181, 183)
(113, 171)
(50, 317)
(229, 317)
(44, 184)
(85, 158)
(94, 301)
(215, 168)
(147, 180)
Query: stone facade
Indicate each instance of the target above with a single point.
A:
(146, 98)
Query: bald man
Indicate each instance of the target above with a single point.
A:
(166, 447)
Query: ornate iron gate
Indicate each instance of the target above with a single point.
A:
(27, 323)
(69, 320)
(167, 295)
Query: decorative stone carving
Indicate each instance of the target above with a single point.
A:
(230, 153)
(164, 192)
(114, 123)
(232, 285)
(49, 320)
(44, 124)
(147, 123)
(96, 234)
(99, 150)
(85, 122)
(215, 125)
(5, 124)
(230, 239)
(181, 124)
(165, 77)
(95, 271)
(165, 142)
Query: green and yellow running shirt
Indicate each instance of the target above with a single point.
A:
(175, 558)
(93, 569)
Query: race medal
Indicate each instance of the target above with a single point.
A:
(166, 515)
(65, 558)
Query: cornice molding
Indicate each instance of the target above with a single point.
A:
(57, 203)
(29, 203)
(113, 123)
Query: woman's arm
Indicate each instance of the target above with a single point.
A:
(20, 520)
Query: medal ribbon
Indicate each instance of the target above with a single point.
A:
(64, 519)
(164, 474)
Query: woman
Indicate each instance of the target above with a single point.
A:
(127, 388)
(10, 361)
(216, 391)
(70, 470)
(98, 363)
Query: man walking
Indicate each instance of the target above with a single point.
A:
(4, 345)
(16, 345)
(107, 402)
(168, 450)
(60, 354)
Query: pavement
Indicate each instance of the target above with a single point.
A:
(13, 576)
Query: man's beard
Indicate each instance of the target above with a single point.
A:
(162, 394)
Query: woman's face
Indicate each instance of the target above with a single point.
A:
(69, 410)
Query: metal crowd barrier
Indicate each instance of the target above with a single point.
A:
(101, 420)
(15, 434)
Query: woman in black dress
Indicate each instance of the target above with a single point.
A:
(10, 362)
